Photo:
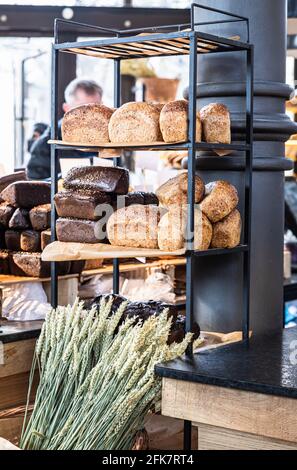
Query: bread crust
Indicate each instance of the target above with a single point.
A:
(221, 198)
(175, 190)
(173, 226)
(216, 125)
(87, 124)
(226, 232)
(135, 122)
(174, 122)
(135, 226)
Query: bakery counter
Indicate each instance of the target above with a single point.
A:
(241, 396)
(11, 331)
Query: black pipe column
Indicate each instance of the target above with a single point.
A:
(218, 280)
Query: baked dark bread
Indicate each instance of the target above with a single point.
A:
(172, 230)
(134, 226)
(87, 124)
(13, 240)
(174, 122)
(20, 219)
(135, 197)
(178, 330)
(30, 241)
(80, 205)
(135, 122)
(4, 262)
(226, 232)
(40, 217)
(98, 178)
(2, 237)
(27, 194)
(31, 264)
(175, 191)
(45, 238)
(12, 178)
(215, 118)
(80, 231)
(221, 198)
(77, 266)
(6, 212)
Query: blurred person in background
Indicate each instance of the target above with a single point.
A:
(77, 92)
(38, 130)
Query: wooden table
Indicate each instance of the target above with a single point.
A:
(241, 396)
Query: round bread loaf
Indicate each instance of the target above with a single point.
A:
(175, 190)
(135, 226)
(226, 232)
(173, 226)
(174, 122)
(216, 125)
(220, 199)
(135, 123)
(87, 124)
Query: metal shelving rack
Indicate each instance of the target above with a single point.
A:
(169, 41)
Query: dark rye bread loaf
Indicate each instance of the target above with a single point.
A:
(30, 241)
(98, 178)
(80, 231)
(40, 217)
(135, 197)
(45, 238)
(13, 240)
(6, 212)
(30, 264)
(27, 194)
(20, 219)
(2, 237)
(80, 205)
(12, 178)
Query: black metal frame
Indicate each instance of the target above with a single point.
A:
(222, 45)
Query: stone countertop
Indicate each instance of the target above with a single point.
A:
(266, 364)
(16, 331)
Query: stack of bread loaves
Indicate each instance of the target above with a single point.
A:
(24, 220)
(217, 221)
(145, 123)
(92, 193)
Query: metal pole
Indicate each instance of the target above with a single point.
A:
(248, 176)
(54, 171)
(117, 103)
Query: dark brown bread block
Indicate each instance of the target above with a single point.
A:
(30, 241)
(78, 230)
(80, 205)
(13, 240)
(20, 219)
(77, 267)
(2, 237)
(150, 198)
(27, 193)
(98, 178)
(30, 264)
(12, 178)
(4, 262)
(40, 217)
(6, 212)
(135, 197)
(45, 237)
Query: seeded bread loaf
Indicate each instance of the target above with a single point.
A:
(172, 230)
(30, 264)
(175, 191)
(6, 212)
(226, 232)
(80, 231)
(13, 240)
(135, 123)
(45, 238)
(134, 226)
(4, 262)
(80, 205)
(174, 122)
(30, 241)
(20, 219)
(40, 217)
(27, 194)
(87, 124)
(12, 178)
(215, 119)
(220, 199)
(98, 179)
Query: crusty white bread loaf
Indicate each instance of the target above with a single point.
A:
(172, 230)
(174, 122)
(175, 190)
(215, 119)
(135, 123)
(221, 198)
(87, 124)
(135, 226)
(226, 232)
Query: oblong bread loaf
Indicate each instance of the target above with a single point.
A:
(226, 232)
(174, 122)
(221, 198)
(175, 190)
(135, 123)
(216, 125)
(87, 124)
